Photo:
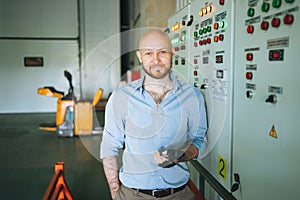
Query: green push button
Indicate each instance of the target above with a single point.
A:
(276, 3)
(250, 12)
(265, 7)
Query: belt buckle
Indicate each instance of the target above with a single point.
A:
(153, 193)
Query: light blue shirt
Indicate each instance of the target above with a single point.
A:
(136, 123)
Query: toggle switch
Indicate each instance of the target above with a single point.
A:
(204, 86)
(249, 94)
(271, 99)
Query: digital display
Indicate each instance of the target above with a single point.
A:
(219, 59)
(205, 60)
(220, 74)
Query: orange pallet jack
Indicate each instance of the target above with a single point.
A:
(73, 117)
(58, 189)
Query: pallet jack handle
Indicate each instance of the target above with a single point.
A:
(97, 96)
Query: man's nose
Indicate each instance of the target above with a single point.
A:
(156, 57)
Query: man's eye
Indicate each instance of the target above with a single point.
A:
(148, 53)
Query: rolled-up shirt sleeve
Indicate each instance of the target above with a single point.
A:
(113, 135)
(199, 140)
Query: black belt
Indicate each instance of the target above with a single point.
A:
(161, 192)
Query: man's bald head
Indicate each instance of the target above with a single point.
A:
(155, 39)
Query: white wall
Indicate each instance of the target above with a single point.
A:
(50, 29)
(101, 46)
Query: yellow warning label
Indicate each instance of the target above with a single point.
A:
(222, 167)
(273, 132)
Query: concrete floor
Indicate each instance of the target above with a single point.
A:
(27, 157)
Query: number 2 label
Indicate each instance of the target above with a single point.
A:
(222, 167)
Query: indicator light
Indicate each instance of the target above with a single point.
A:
(204, 30)
(204, 42)
(221, 24)
(209, 29)
(265, 7)
(249, 57)
(216, 25)
(200, 13)
(195, 44)
(204, 11)
(275, 55)
(264, 25)
(288, 19)
(275, 22)
(221, 37)
(195, 33)
(250, 12)
(250, 29)
(200, 42)
(208, 9)
(276, 3)
(221, 2)
(249, 75)
(195, 72)
(183, 23)
(195, 62)
(216, 38)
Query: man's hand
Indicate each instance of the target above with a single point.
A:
(112, 174)
(167, 158)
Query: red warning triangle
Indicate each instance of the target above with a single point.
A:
(273, 132)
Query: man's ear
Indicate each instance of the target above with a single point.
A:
(138, 54)
(173, 50)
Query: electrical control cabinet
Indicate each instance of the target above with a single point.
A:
(266, 95)
(178, 25)
(242, 56)
(211, 55)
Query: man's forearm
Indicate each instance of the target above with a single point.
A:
(190, 153)
(111, 170)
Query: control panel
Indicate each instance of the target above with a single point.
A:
(266, 97)
(179, 30)
(211, 56)
(242, 56)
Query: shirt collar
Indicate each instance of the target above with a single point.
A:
(139, 83)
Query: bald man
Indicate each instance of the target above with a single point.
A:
(159, 122)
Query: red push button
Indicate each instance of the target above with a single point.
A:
(249, 75)
(221, 37)
(221, 2)
(208, 40)
(249, 57)
(195, 61)
(288, 19)
(275, 22)
(195, 73)
(264, 25)
(250, 29)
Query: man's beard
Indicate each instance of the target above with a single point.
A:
(157, 75)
